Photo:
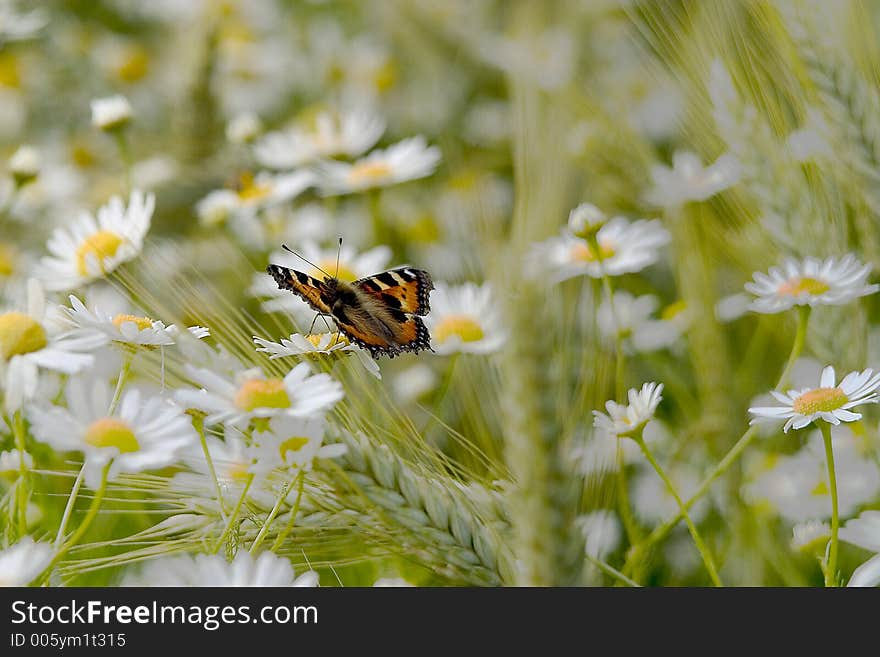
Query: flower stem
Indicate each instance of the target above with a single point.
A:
(198, 422)
(68, 509)
(293, 513)
(235, 512)
(125, 154)
(704, 551)
(21, 489)
(611, 571)
(831, 565)
(83, 526)
(797, 347)
(285, 488)
(120, 381)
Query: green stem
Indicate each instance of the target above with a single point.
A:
(231, 523)
(831, 566)
(120, 381)
(198, 422)
(68, 509)
(293, 513)
(285, 488)
(633, 534)
(91, 514)
(704, 551)
(661, 532)
(21, 490)
(125, 154)
(612, 572)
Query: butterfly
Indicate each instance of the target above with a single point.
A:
(379, 313)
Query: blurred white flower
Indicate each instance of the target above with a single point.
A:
(267, 569)
(632, 320)
(586, 220)
(796, 485)
(24, 165)
(251, 394)
(10, 461)
(625, 420)
(811, 535)
(217, 207)
(111, 113)
(392, 582)
(864, 532)
(688, 180)
(414, 382)
(406, 160)
(624, 247)
(265, 190)
(732, 307)
(15, 26)
(123, 329)
(602, 532)
(465, 318)
(813, 141)
(244, 128)
(23, 561)
(30, 341)
(810, 282)
(90, 249)
(317, 344)
(652, 501)
(829, 401)
(143, 433)
(291, 443)
(329, 134)
(546, 58)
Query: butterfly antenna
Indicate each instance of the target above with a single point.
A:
(338, 253)
(289, 250)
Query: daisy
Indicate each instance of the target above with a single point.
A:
(143, 433)
(602, 532)
(631, 318)
(465, 319)
(352, 265)
(251, 394)
(330, 134)
(268, 569)
(586, 220)
(406, 160)
(828, 402)
(291, 443)
(864, 532)
(15, 26)
(688, 180)
(624, 247)
(810, 282)
(22, 562)
(317, 344)
(30, 342)
(24, 165)
(217, 207)
(624, 421)
(265, 190)
(111, 113)
(93, 248)
(123, 329)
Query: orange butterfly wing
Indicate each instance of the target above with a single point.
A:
(405, 289)
(304, 286)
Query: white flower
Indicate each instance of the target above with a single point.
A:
(24, 165)
(143, 433)
(810, 282)
(864, 532)
(631, 318)
(102, 328)
(22, 562)
(253, 395)
(268, 569)
(392, 582)
(406, 160)
(91, 249)
(828, 402)
(813, 141)
(465, 318)
(624, 247)
(796, 485)
(810, 535)
(688, 180)
(602, 532)
(291, 443)
(31, 341)
(413, 382)
(352, 265)
(244, 128)
(232, 460)
(10, 461)
(16, 26)
(586, 219)
(111, 113)
(652, 501)
(217, 207)
(628, 420)
(317, 344)
(331, 134)
(266, 190)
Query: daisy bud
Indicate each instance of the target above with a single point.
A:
(586, 220)
(244, 128)
(110, 114)
(24, 165)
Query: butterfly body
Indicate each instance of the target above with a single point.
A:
(379, 312)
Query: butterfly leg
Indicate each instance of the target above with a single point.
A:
(327, 324)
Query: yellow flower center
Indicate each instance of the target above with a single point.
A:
(7, 259)
(250, 190)
(367, 172)
(584, 252)
(806, 285)
(135, 66)
(110, 432)
(9, 73)
(20, 334)
(292, 444)
(385, 76)
(82, 156)
(820, 490)
(464, 326)
(101, 245)
(819, 400)
(673, 310)
(237, 471)
(260, 393)
(344, 274)
(141, 322)
(335, 339)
